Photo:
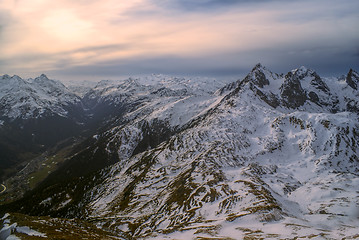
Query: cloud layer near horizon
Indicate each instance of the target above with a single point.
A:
(108, 38)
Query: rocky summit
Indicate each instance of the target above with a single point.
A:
(270, 156)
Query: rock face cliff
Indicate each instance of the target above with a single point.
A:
(270, 156)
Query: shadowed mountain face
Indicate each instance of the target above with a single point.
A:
(269, 156)
(35, 114)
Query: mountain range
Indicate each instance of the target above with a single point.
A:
(270, 156)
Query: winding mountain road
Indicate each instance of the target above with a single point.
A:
(4, 188)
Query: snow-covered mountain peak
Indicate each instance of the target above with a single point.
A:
(258, 66)
(41, 78)
(11, 83)
(5, 76)
(261, 76)
(43, 75)
(44, 81)
(270, 157)
(241, 162)
(302, 71)
(7, 79)
(301, 89)
(33, 98)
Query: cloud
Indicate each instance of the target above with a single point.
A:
(231, 65)
(210, 5)
(173, 65)
(5, 21)
(61, 60)
(214, 37)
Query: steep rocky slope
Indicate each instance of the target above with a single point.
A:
(270, 156)
(118, 110)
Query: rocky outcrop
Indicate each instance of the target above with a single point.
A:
(352, 79)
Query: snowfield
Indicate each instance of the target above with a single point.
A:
(271, 156)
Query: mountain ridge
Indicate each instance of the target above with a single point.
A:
(264, 158)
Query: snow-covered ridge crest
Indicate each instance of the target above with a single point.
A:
(159, 81)
(300, 88)
(33, 98)
(245, 167)
(303, 89)
(271, 156)
(174, 100)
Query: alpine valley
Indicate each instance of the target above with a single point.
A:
(270, 156)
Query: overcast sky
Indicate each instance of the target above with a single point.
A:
(99, 39)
